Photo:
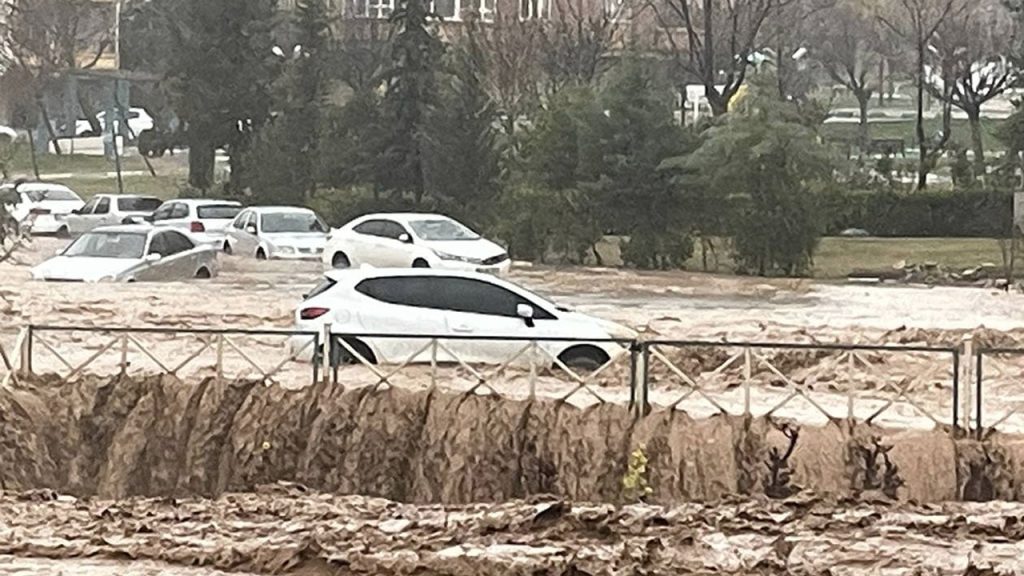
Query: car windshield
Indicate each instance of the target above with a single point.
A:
(441, 229)
(297, 222)
(108, 245)
(138, 204)
(51, 194)
(218, 212)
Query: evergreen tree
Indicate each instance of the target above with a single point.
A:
(412, 79)
(221, 74)
(462, 168)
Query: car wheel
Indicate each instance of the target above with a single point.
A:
(340, 260)
(261, 255)
(227, 248)
(341, 355)
(63, 232)
(203, 274)
(420, 263)
(584, 358)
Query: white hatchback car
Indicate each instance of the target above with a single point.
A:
(44, 206)
(277, 232)
(109, 210)
(205, 220)
(478, 310)
(416, 240)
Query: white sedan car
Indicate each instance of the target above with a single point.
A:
(206, 221)
(44, 206)
(416, 240)
(478, 309)
(128, 254)
(109, 210)
(277, 233)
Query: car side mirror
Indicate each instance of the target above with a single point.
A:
(251, 229)
(525, 311)
(405, 239)
(153, 257)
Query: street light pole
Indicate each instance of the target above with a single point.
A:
(117, 34)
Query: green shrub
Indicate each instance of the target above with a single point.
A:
(921, 214)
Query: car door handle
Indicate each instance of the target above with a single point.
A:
(461, 328)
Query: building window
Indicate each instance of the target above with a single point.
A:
(373, 8)
(487, 10)
(446, 9)
(618, 10)
(534, 9)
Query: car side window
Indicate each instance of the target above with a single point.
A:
(163, 212)
(89, 206)
(392, 230)
(176, 243)
(158, 244)
(452, 294)
(369, 228)
(179, 211)
(239, 223)
(103, 206)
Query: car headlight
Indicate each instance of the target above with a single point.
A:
(110, 278)
(454, 258)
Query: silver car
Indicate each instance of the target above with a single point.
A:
(277, 232)
(130, 253)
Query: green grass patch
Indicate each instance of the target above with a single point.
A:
(906, 130)
(163, 187)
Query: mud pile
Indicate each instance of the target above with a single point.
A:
(290, 529)
(163, 437)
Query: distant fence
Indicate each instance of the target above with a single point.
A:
(888, 385)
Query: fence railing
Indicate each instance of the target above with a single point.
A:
(890, 385)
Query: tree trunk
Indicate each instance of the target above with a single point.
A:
(922, 161)
(45, 115)
(201, 158)
(977, 144)
(863, 99)
(719, 102)
(881, 82)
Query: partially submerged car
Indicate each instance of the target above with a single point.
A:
(277, 232)
(205, 220)
(44, 206)
(130, 253)
(490, 321)
(413, 240)
(109, 210)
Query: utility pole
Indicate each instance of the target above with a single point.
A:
(117, 33)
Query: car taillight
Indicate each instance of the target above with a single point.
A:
(197, 227)
(313, 313)
(39, 211)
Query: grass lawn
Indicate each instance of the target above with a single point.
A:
(907, 131)
(163, 187)
(837, 257)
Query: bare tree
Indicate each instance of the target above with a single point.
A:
(47, 38)
(576, 41)
(972, 50)
(915, 23)
(512, 76)
(847, 43)
(720, 36)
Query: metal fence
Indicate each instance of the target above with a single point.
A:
(889, 385)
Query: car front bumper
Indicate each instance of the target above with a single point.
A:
(314, 255)
(499, 269)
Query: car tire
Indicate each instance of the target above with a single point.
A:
(260, 254)
(341, 356)
(420, 263)
(203, 274)
(340, 260)
(63, 232)
(584, 358)
(227, 248)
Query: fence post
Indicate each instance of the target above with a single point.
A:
(956, 392)
(977, 400)
(748, 373)
(851, 361)
(968, 380)
(26, 353)
(433, 364)
(316, 360)
(533, 370)
(220, 358)
(328, 351)
(124, 355)
(644, 379)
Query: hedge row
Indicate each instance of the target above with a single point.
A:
(959, 213)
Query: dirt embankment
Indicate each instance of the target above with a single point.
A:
(163, 437)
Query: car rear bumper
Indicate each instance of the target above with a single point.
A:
(47, 223)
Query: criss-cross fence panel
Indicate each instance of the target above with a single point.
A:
(907, 386)
(266, 355)
(568, 370)
(999, 391)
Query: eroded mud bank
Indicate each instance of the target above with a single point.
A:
(162, 437)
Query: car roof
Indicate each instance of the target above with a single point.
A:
(125, 196)
(36, 186)
(353, 275)
(204, 202)
(403, 217)
(281, 209)
(127, 229)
